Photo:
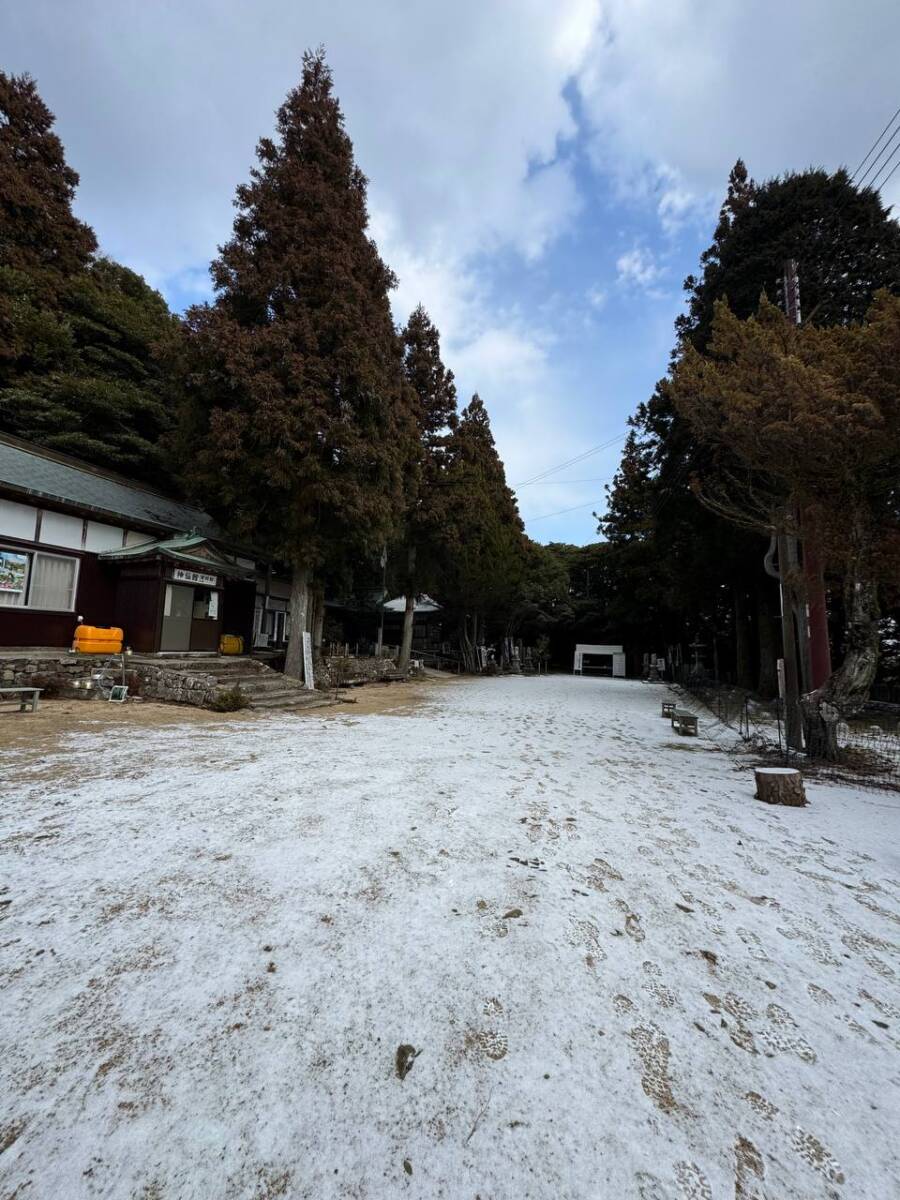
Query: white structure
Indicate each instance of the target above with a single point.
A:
(423, 604)
(612, 660)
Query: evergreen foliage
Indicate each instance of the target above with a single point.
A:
(811, 418)
(298, 425)
(100, 393)
(78, 334)
(41, 235)
(434, 394)
(696, 573)
(483, 537)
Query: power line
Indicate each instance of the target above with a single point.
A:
(884, 182)
(875, 161)
(572, 461)
(875, 145)
(878, 186)
(562, 512)
(563, 482)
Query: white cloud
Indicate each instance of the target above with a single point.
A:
(458, 115)
(676, 92)
(638, 268)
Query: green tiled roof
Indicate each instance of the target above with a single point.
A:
(179, 549)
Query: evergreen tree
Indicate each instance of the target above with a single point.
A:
(37, 187)
(297, 425)
(436, 417)
(78, 335)
(811, 417)
(543, 603)
(629, 497)
(847, 247)
(844, 240)
(104, 395)
(483, 537)
(42, 243)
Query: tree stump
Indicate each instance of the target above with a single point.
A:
(780, 785)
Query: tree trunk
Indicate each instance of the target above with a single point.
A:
(318, 619)
(814, 574)
(847, 689)
(406, 640)
(743, 658)
(293, 659)
(768, 655)
(409, 610)
(466, 648)
(780, 785)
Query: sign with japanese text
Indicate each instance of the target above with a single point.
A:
(195, 577)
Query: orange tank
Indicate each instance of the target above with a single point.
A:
(93, 639)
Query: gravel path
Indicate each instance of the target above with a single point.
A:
(621, 976)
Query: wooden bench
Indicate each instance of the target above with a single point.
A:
(668, 708)
(27, 697)
(684, 721)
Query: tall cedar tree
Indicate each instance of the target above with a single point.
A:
(78, 335)
(297, 426)
(483, 537)
(37, 188)
(436, 417)
(847, 247)
(811, 416)
(42, 244)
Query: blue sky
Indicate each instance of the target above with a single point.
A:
(542, 175)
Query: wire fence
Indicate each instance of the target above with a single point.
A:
(868, 746)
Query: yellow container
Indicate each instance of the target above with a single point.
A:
(93, 639)
(230, 643)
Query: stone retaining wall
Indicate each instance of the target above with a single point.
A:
(156, 681)
(335, 671)
(148, 680)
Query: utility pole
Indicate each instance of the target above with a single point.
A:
(815, 648)
(793, 724)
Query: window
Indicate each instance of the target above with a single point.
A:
(36, 580)
(206, 604)
(13, 578)
(53, 582)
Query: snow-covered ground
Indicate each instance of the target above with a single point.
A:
(622, 975)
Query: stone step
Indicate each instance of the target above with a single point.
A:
(278, 693)
(200, 665)
(311, 699)
(252, 684)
